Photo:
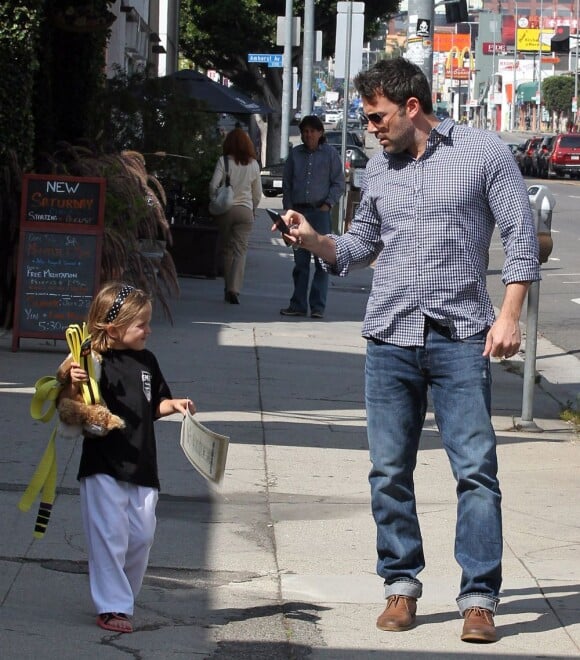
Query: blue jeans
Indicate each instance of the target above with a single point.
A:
(320, 221)
(396, 400)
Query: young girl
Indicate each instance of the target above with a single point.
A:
(118, 476)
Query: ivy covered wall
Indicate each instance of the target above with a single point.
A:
(19, 30)
(51, 74)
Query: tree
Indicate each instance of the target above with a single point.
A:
(557, 93)
(51, 121)
(19, 33)
(220, 34)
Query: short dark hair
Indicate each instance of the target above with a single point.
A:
(398, 80)
(312, 121)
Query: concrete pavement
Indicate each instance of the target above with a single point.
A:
(279, 562)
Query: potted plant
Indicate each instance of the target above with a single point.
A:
(137, 232)
(181, 144)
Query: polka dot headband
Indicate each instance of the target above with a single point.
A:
(123, 294)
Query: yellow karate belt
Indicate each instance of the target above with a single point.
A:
(79, 343)
(42, 408)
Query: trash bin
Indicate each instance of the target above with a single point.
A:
(195, 249)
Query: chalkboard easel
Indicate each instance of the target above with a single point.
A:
(59, 254)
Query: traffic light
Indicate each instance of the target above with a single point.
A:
(456, 12)
(560, 42)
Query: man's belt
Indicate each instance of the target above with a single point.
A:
(307, 206)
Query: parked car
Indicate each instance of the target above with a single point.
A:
(361, 115)
(565, 155)
(355, 159)
(519, 154)
(525, 161)
(540, 156)
(513, 147)
(335, 137)
(332, 116)
(271, 177)
(354, 125)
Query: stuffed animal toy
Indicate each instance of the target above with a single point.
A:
(81, 407)
(75, 414)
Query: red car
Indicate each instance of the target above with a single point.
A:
(565, 156)
(524, 158)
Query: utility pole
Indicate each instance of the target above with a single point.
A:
(420, 36)
(307, 58)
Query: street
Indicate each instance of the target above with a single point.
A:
(559, 310)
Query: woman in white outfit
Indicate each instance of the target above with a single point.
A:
(236, 224)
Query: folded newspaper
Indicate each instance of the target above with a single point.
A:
(206, 450)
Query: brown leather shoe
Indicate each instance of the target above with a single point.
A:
(399, 614)
(478, 626)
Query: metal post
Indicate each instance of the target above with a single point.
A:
(286, 83)
(452, 71)
(493, 117)
(576, 67)
(539, 95)
(527, 419)
(307, 58)
(514, 83)
(341, 203)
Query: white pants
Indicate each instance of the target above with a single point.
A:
(119, 522)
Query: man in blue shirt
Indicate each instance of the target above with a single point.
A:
(313, 182)
(430, 203)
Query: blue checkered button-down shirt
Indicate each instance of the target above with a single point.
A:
(312, 177)
(429, 222)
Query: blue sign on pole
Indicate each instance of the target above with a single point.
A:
(273, 60)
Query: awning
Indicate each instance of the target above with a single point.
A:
(526, 92)
(216, 97)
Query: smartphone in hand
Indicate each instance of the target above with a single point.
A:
(278, 220)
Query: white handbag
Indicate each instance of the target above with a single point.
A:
(223, 200)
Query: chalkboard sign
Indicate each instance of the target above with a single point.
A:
(62, 200)
(61, 231)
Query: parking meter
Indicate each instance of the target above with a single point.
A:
(542, 202)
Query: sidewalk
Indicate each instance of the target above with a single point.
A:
(279, 562)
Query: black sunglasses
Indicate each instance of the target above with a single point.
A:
(377, 117)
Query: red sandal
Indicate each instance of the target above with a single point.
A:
(114, 621)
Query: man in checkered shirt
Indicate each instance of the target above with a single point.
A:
(430, 203)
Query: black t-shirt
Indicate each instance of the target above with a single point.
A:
(132, 386)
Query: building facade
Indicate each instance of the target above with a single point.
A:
(144, 37)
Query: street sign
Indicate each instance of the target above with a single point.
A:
(491, 47)
(273, 60)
